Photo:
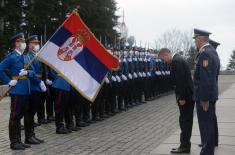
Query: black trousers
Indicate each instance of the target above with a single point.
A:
(216, 128)
(50, 100)
(41, 107)
(34, 103)
(61, 101)
(186, 123)
(206, 121)
(19, 108)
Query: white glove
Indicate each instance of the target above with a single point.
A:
(23, 72)
(12, 83)
(114, 79)
(124, 77)
(135, 75)
(49, 82)
(43, 86)
(118, 78)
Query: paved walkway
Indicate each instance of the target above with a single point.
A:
(226, 122)
(137, 131)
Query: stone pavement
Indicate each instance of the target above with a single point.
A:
(225, 109)
(137, 131)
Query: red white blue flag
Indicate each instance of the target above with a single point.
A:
(75, 53)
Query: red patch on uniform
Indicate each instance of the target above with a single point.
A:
(205, 63)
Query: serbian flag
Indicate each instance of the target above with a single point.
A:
(75, 53)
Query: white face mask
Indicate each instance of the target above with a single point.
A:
(22, 46)
(36, 48)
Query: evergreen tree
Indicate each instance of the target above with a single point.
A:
(231, 64)
(40, 16)
(100, 17)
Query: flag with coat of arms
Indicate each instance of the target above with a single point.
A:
(74, 52)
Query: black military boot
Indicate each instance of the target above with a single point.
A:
(40, 140)
(42, 121)
(31, 141)
(62, 130)
(17, 146)
(73, 128)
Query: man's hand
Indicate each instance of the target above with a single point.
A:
(205, 105)
(182, 102)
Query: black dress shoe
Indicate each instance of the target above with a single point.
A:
(40, 140)
(42, 121)
(81, 124)
(32, 141)
(51, 118)
(17, 146)
(25, 145)
(62, 130)
(73, 128)
(98, 119)
(36, 124)
(180, 150)
(104, 116)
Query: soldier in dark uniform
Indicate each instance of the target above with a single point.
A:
(125, 72)
(181, 78)
(206, 89)
(16, 63)
(215, 44)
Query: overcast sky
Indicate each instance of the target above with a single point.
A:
(148, 19)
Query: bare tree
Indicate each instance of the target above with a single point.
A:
(131, 40)
(177, 41)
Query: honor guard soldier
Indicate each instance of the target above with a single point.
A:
(206, 89)
(37, 86)
(125, 79)
(19, 92)
(50, 97)
(62, 92)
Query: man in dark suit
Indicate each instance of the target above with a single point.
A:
(182, 79)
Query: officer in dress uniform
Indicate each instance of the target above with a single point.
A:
(19, 82)
(37, 87)
(215, 44)
(206, 89)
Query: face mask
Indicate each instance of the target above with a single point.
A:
(22, 46)
(36, 48)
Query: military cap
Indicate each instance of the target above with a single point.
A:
(198, 32)
(214, 43)
(18, 37)
(33, 38)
